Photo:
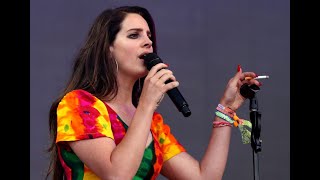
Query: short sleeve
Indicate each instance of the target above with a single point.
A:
(80, 115)
(169, 145)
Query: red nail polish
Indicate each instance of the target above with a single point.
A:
(238, 68)
(166, 64)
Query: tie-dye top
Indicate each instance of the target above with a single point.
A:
(80, 115)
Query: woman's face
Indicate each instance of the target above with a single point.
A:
(132, 41)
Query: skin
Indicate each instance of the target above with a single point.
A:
(109, 161)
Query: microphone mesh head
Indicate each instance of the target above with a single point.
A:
(151, 59)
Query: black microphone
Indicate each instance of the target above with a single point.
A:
(152, 59)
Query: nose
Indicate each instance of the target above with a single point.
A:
(147, 42)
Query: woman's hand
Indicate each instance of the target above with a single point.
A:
(155, 87)
(232, 97)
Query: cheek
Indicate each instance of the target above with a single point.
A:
(125, 51)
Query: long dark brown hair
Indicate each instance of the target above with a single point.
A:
(94, 70)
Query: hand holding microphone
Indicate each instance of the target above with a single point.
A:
(153, 59)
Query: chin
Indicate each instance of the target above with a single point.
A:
(143, 72)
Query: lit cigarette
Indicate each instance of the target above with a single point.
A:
(258, 77)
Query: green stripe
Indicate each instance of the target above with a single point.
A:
(72, 161)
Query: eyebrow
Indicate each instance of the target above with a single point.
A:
(139, 29)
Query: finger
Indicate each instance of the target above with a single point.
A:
(162, 72)
(237, 77)
(156, 68)
(170, 85)
(166, 78)
(253, 81)
(248, 77)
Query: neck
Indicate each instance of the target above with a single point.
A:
(124, 94)
(122, 103)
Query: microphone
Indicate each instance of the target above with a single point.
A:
(152, 59)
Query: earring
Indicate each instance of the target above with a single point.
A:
(116, 64)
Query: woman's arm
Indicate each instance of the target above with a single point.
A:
(109, 161)
(212, 164)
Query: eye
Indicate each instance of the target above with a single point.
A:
(133, 36)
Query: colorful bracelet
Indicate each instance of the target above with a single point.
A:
(230, 118)
(224, 117)
(228, 111)
(221, 124)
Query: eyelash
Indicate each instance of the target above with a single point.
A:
(135, 35)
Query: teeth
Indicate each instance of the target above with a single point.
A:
(141, 56)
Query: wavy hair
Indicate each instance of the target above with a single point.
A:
(94, 70)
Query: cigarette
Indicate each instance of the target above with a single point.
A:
(258, 77)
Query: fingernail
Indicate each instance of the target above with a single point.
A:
(166, 64)
(260, 84)
(238, 68)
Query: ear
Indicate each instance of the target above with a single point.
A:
(111, 49)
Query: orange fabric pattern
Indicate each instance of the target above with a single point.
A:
(80, 115)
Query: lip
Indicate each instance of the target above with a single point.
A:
(141, 55)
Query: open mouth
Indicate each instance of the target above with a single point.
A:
(142, 55)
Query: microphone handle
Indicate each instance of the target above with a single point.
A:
(178, 100)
